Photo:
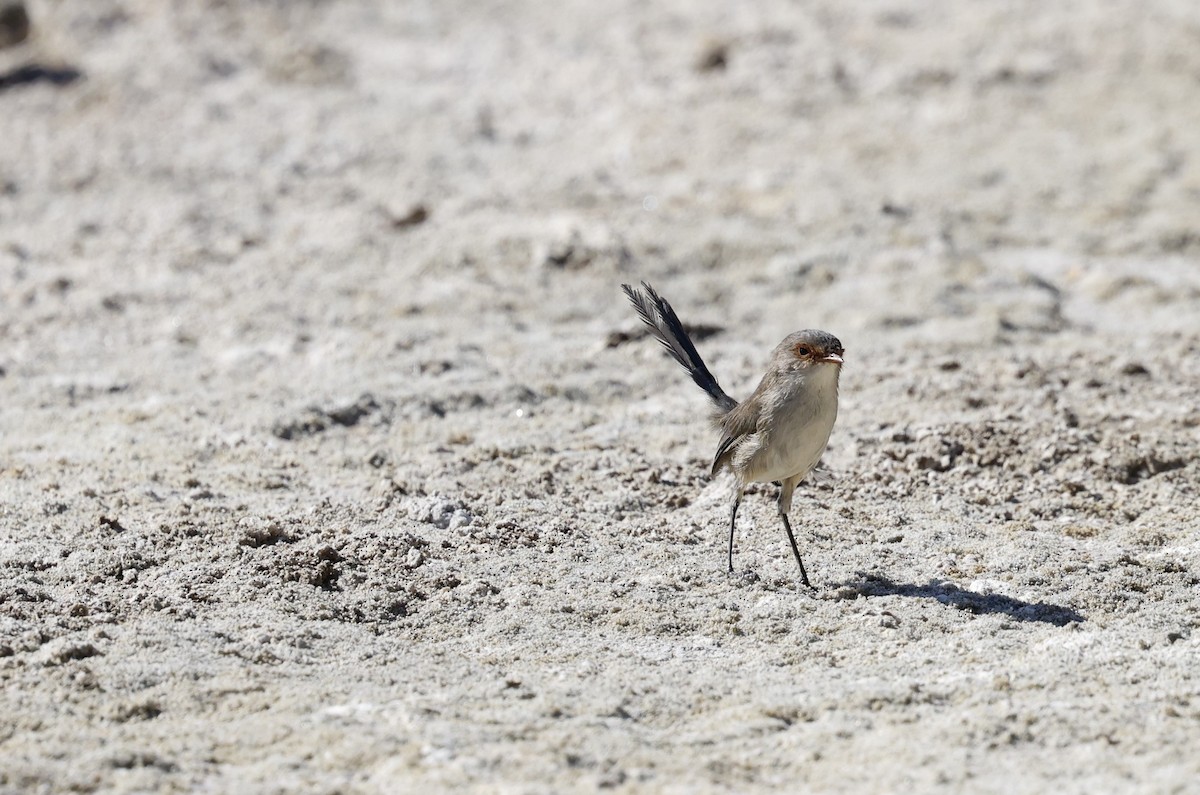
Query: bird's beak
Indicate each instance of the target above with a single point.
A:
(832, 357)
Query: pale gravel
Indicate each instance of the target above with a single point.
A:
(331, 459)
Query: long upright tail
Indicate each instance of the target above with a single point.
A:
(664, 324)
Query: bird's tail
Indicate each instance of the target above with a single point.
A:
(664, 324)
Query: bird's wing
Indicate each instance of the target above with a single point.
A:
(741, 421)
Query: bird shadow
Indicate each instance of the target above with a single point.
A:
(962, 599)
(39, 73)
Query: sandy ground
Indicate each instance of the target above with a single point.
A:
(332, 459)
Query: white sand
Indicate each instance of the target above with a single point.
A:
(325, 466)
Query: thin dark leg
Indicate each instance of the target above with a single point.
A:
(795, 551)
(733, 518)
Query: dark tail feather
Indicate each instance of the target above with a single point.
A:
(662, 321)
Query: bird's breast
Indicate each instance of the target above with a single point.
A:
(793, 429)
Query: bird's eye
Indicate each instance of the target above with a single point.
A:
(802, 351)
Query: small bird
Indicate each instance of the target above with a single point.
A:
(779, 433)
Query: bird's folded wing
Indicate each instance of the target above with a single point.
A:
(735, 426)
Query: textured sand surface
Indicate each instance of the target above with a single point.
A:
(332, 459)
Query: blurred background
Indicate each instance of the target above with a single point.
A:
(347, 166)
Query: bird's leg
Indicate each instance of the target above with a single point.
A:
(785, 504)
(737, 500)
(788, 527)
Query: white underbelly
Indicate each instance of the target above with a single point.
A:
(792, 436)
